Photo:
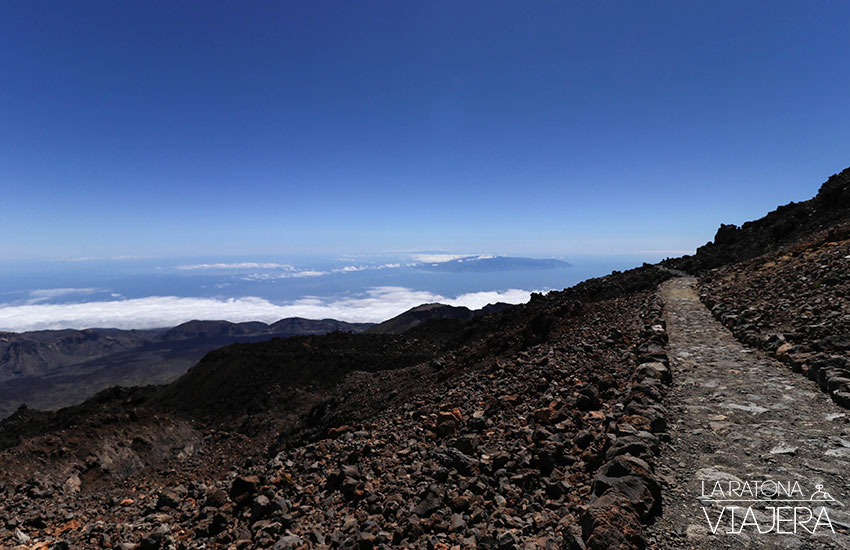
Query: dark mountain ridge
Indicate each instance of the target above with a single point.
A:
(55, 368)
(785, 225)
(430, 312)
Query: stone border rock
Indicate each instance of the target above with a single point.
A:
(626, 491)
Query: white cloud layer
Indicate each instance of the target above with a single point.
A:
(239, 265)
(350, 268)
(286, 275)
(375, 305)
(294, 274)
(44, 294)
(443, 258)
(438, 258)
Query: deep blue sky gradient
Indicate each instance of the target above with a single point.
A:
(177, 128)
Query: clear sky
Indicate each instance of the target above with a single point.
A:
(175, 128)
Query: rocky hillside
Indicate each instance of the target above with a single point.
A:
(781, 283)
(38, 352)
(56, 368)
(795, 304)
(784, 226)
(535, 427)
(431, 312)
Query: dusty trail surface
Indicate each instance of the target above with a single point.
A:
(739, 417)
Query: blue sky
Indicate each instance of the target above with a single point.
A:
(203, 128)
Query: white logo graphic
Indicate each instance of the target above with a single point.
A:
(765, 506)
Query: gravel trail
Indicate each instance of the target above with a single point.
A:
(746, 430)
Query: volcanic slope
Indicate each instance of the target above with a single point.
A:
(58, 368)
(535, 427)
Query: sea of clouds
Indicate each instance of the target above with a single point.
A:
(372, 306)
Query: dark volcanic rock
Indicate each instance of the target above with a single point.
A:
(430, 502)
(243, 489)
(432, 312)
(610, 524)
(786, 225)
(491, 433)
(632, 478)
